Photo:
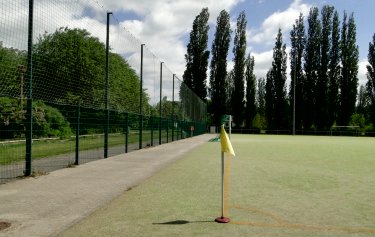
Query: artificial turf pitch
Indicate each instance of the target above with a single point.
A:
(279, 186)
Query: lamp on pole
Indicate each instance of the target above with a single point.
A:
(295, 81)
(294, 94)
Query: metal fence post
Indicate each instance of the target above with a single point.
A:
(167, 120)
(126, 131)
(152, 130)
(161, 86)
(77, 134)
(173, 107)
(29, 123)
(140, 101)
(106, 127)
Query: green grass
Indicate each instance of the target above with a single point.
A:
(14, 152)
(279, 186)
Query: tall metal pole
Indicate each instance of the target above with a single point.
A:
(29, 123)
(296, 57)
(126, 132)
(140, 101)
(161, 87)
(294, 94)
(78, 113)
(173, 121)
(106, 127)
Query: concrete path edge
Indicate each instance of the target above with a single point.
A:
(47, 205)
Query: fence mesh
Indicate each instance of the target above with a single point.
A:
(83, 109)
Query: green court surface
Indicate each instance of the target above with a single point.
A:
(279, 186)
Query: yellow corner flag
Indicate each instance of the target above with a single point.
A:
(226, 145)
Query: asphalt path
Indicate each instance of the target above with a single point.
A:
(48, 204)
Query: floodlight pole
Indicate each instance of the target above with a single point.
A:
(140, 100)
(29, 70)
(161, 87)
(173, 108)
(298, 38)
(294, 94)
(106, 127)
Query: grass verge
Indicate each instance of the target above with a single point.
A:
(14, 152)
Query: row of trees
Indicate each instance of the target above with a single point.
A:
(69, 69)
(323, 72)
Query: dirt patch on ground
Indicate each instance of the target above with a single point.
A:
(4, 225)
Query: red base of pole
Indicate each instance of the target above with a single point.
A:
(222, 219)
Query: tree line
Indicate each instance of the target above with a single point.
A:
(323, 90)
(68, 70)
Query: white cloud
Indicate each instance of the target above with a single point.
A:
(166, 24)
(266, 33)
(362, 71)
(263, 63)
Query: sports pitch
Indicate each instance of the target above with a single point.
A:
(278, 186)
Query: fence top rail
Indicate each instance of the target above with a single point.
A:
(345, 127)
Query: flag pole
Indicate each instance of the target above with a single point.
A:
(222, 219)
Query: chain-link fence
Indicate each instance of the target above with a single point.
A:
(76, 85)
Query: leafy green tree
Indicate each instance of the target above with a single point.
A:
(124, 87)
(260, 118)
(239, 51)
(321, 92)
(195, 75)
(349, 79)
(334, 71)
(48, 121)
(229, 82)
(69, 68)
(270, 100)
(358, 119)
(312, 66)
(218, 66)
(298, 41)
(12, 71)
(250, 109)
(370, 85)
(276, 102)
(363, 101)
(279, 79)
(261, 96)
(11, 118)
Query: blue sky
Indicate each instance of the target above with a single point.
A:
(164, 25)
(258, 10)
(172, 21)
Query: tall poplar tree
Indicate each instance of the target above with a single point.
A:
(250, 109)
(218, 66)
(276, 103)
(370, 85)
(321, 92)
(349, 72)
(312, 67)
(334, 71)
(270, 100)
(195, 75)
(260, 117)
(298, 41)
(239, 52)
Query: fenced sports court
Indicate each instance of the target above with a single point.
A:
(278, 186)
(76, 86)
